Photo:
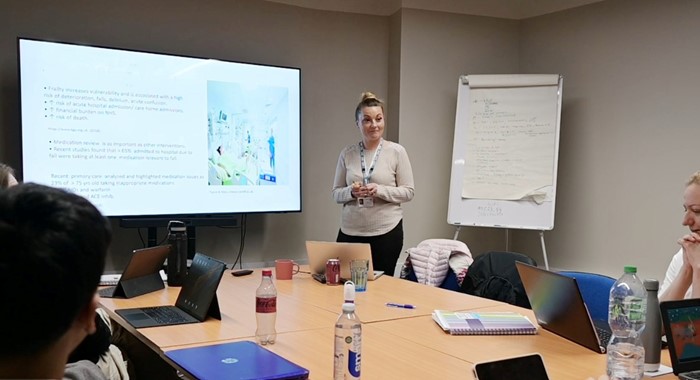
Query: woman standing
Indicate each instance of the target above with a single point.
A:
(372, 179)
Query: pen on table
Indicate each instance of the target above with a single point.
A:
(401, 305)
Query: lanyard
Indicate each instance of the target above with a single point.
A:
(366, 173)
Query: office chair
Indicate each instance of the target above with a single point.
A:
(595, 289)
(450, 282)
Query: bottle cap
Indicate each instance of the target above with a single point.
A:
(267, 272)
(651, 284)
(348, 307)
(630, 269)
(349, 292)
(176, 226)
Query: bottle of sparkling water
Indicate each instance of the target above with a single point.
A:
(627, 316)
(348, 343)
(266, 310)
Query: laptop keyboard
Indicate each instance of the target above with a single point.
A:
(604, 335)
(691, 375)
(107, 292)
(164, 315)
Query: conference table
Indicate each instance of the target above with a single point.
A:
(396, 342)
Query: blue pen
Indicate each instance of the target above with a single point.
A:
(401, 305)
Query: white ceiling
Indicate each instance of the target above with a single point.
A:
(509, 9)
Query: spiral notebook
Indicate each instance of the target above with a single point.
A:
(484, 323)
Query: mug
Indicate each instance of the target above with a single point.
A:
(285, 269)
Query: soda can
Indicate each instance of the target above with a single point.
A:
(333, 272)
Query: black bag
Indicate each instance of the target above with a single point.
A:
(493, 275)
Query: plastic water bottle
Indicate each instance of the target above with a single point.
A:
(348, 343)
(651, 337)
(266, 310)
(627, 316)
(177, 258)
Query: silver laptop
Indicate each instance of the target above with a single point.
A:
(319, 252)
(681, 320)
(559, 307)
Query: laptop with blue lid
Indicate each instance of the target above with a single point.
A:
(242, 360)
(681, 321)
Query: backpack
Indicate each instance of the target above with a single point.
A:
(493, 275)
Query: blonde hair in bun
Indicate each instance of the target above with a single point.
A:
(368, 99)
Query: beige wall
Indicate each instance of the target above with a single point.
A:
(628, 127)
(436, 48)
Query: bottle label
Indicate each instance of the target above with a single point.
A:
(347, 356)
(354, 364)
(265, 304)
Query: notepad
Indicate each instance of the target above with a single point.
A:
(484, 323)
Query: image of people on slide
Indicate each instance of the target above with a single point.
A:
(244, 134)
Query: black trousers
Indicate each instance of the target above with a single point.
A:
(386, 248)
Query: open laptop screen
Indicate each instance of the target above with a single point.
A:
(681, 321)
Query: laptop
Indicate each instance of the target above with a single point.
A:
(559, 307)
(237, 360)
(681, 321)
(196, 301)
(319, 252)
(141, 275)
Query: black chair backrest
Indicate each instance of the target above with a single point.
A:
(493, 275)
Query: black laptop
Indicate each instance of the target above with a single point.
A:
(681, 321)
(141, 274)
(559, 307)
(196, 301)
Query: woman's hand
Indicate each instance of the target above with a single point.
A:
(691, 250)
(359, 191)
(371, 189)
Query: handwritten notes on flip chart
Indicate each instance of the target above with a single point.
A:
(510, 147)
(505, 151)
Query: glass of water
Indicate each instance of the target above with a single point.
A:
(358, 273)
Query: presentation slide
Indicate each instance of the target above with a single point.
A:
(153, 134)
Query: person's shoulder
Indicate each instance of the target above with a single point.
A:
(390, 145)
(83, 369)
(352, 148)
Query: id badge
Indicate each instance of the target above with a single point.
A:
(365, 202)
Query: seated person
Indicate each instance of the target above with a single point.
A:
(54, 245)
(682, 278)
(97, 347)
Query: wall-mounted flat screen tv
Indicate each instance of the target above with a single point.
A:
(145, 134)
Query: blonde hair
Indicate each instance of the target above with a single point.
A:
(5, 172)
(367, 99)
(694, 179)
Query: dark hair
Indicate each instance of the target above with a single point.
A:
(54, 245)
(5, 172)
(368, 99)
